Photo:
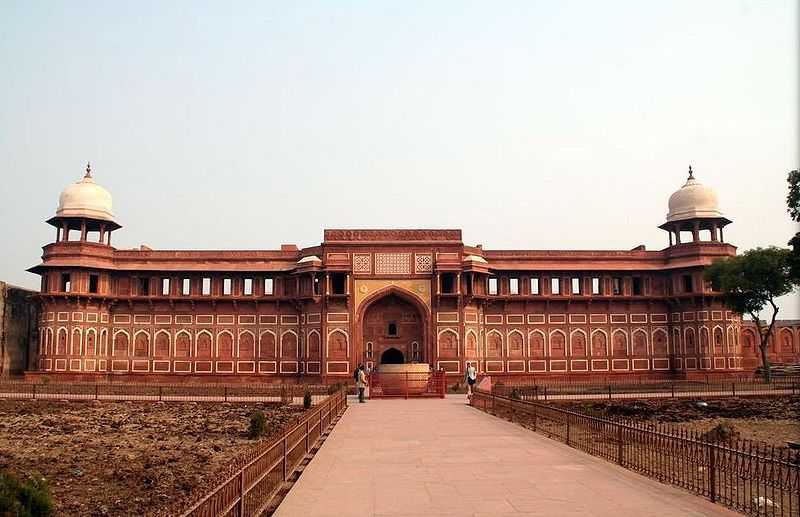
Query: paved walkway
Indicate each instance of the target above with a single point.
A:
(441, 457)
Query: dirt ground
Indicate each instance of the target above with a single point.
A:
(126, 458)
(774, 420)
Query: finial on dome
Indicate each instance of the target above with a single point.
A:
(88, 170)
(691, 174)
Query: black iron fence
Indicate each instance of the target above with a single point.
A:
(287, 394)
(751, 477)
(544, 389)
(250, 488)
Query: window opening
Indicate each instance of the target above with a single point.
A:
(206, 286)
(144, 286)
(513, 285)
(616, 285)
(268, 286)
(637, 286)
(555, 285)
(493, 285)
(227, 286)
(448, 283)
(338, 283)
(248, 286)
(165, 286)
(596, 285)
(534, 286)
(392, 331)
(186, 287)
(688, 284)
(576, 285)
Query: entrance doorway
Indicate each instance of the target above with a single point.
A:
(392, 356)
(392, 331)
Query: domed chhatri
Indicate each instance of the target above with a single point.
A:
(694, 208)
(85, 198)
(692, 200)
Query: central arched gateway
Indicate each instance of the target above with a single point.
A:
(394, 330)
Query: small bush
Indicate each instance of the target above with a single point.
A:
(29, 499)
(258, 425)
(306, 399)
(515, 394)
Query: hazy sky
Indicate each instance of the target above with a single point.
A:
(531, 124)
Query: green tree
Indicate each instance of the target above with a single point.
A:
(793, 206)
(749, 283)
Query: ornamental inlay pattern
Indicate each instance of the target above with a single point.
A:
(393, 263)
(362, 263)
(423, 263)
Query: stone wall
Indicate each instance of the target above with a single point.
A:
(18, 330)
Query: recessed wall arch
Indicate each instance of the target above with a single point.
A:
(121, 343)
(577, 343)
(494, 343)
(90, 342)
(599, 339)
(557, 340)
(537, 344)
(162, 343)
(76, 331)
(141, 343)
(246, 345)
(337, 344)
(620, 346)
(225, 344)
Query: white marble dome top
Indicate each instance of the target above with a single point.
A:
(85, 198)
(693, 200)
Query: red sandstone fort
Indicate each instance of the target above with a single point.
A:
(388, 296)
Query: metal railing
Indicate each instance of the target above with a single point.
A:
(751, 477)
(543, 389)
(407, 384)
(287, 394)
(249, 489)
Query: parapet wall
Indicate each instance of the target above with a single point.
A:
(19, 315)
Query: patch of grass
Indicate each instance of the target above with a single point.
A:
(28, 499)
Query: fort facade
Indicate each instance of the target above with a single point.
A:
(388, 296)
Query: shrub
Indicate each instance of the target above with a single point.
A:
(515, 394)
(306, 399)
(258, 425)
(29, 499)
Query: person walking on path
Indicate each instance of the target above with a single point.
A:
(362, 383)
(471, 377)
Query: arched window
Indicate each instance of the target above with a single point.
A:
(392, 331)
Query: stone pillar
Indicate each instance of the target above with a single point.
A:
(695, 231)
(83, 231)
(721, 239)
(714, 232)
(677, 234)
(670, 237)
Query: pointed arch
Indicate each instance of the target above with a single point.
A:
(61, 344)
(731, 340)
(689, 341)
(536, 344)
(471, 343)
(447, 344)
(558, 343)
(141, 343)
(619, 343)
(290, 345)
(599, 343)
(162, 345)
(50, 342)
(704, 340)
(246, 345)
(90, 347)
(676, 341)
(577, 343)
(224, 347)
(639, 343)
(313, 344)
(719, 339)
(203, 344)
(104, 342)
(267, 345)
(338, 346)
(183, 343)
(76, 344)
(122, 343)
(660, 342)
(494, 343)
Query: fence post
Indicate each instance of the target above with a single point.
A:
(159, 393)
(609, 392)
(712, 474)
(536, 393)
(545, 392)
(512, 410)
(620, 459)
(241, 492)
(285, 459)
(672, 386)
(226, 395)
(95, 391)
(567, 430)
(34, 392)
(534, 418)
(307, 434)
(406, 385)
(733, 389)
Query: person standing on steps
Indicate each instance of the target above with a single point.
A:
(361, 384)
(471, 377)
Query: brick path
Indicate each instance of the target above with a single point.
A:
(442, 457)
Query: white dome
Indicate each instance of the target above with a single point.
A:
(693, 200)
(85, 198)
